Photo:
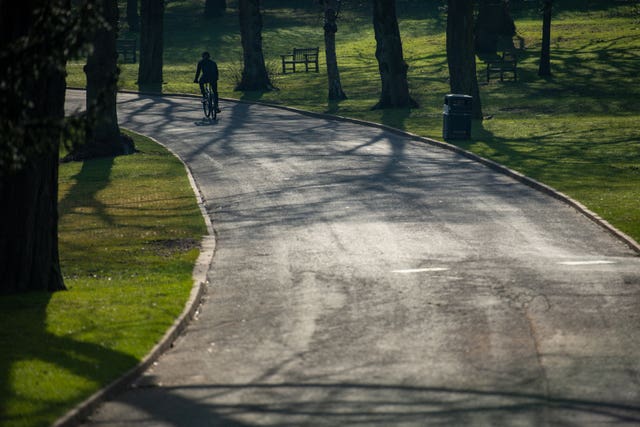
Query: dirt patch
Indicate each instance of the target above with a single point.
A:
(169, 247)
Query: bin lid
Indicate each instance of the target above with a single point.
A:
(458, 100)
(457, 97)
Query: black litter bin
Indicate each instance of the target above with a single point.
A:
(457, 117)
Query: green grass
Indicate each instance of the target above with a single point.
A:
(576, 131)
(129, 234)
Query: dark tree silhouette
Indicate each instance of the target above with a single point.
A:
(151, 45)
(214, 8)
(545, 54)
(331, 11)
(102, 135)
(460, 52)
(494, 23)
(393, 68)
(133, 17)
(36, 39)
(254, 73)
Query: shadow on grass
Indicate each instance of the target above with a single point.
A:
(595, 78)
(252, 95)
(502, 150)
(150, 87)
(25, 340)
(548, 156)
(333, 106)
(396, 117)
(94, 176)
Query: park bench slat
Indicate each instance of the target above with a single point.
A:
(508, 62)
(307, 56)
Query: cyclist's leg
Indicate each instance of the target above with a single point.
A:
(202, 82)
(214, 88)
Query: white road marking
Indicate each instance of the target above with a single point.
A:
(420, 270)
(595, 262)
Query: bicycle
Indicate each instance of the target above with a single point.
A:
(208, 102)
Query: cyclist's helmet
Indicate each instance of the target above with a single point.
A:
(205, 55)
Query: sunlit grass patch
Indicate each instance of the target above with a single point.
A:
(129, 236)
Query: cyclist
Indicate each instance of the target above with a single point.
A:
(209, 70)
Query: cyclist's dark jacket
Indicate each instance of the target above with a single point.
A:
(209, 70)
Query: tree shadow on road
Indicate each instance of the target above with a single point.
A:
(337, 172)
(360, 404)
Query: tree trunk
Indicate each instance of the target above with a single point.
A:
(29, 221)
(393, 68)
(103, 133)
(493, 25)
(151, 45)
(133, 18)
(254, 73)
(214, 8)
(545, 54)
(29, 197)
(331, 8)
(460, 53)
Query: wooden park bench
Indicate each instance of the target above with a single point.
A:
(306, 56)
(127, 47)
(507, 63)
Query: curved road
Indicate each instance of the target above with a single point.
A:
(364, 278)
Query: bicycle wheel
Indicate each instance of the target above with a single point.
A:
(207, 105)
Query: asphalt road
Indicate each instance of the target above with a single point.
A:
(364, 278)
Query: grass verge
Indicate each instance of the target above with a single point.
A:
(130, 229)
(576, 131)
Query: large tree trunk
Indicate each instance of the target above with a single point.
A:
(214, 8)
(29, 196)
(494, 23)
(103, 133)
(151, 45)
(393, 68)
(29, 220)
(133, 18)
(254, 73)
(545, 54)
(460, 53)
(331, 8)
